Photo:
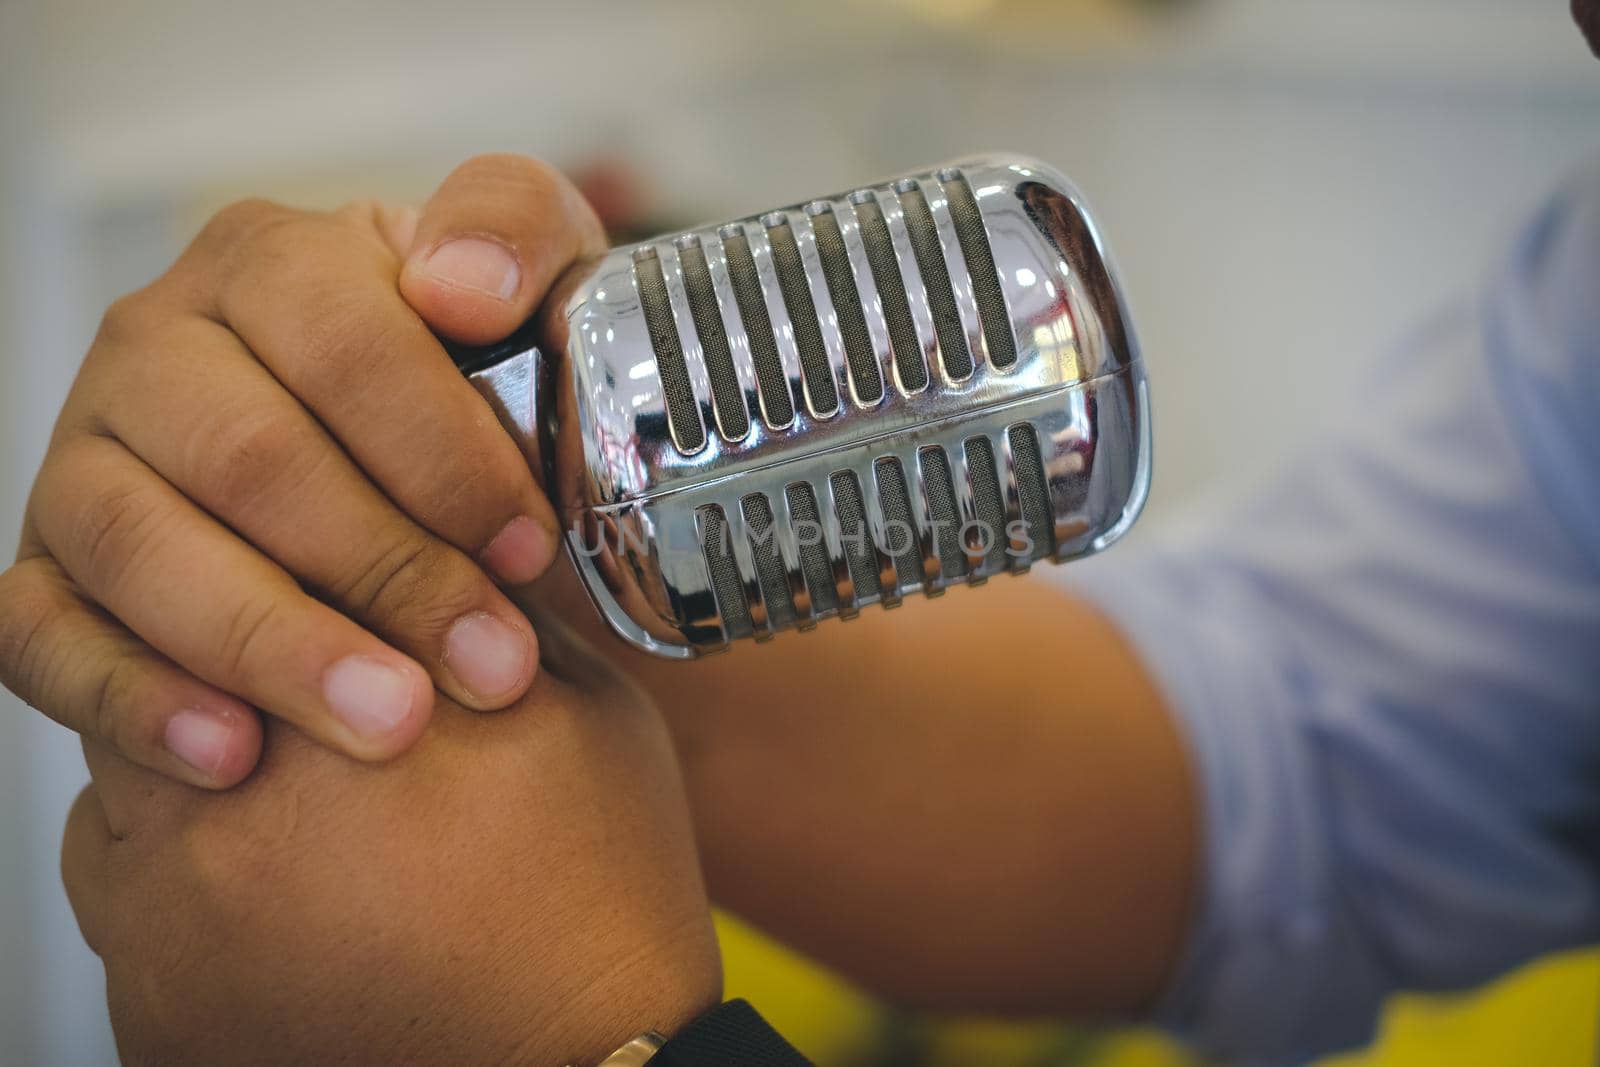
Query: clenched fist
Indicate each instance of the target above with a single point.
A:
(519, 888)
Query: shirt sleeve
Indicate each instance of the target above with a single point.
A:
(1387, 670)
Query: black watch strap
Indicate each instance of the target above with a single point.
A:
(732, 1035)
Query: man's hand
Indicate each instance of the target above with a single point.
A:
(270, 488)
(519, 888)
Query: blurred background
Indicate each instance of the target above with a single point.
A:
(1289, 185)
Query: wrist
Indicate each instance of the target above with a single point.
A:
(659, 991)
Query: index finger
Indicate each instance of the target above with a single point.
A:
(316, 301)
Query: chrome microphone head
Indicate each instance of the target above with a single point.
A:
(755, 426)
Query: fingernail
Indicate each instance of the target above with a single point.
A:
(488, 657)
(477, 264)
(369, 696)
(520, 552)
(200, 739)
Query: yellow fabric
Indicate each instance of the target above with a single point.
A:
(1546, 1014)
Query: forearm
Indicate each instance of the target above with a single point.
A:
(975, 804)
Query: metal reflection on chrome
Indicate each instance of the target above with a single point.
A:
(597, 422)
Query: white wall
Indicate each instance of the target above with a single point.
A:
(1288, 184)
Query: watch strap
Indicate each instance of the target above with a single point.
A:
(731, 1035)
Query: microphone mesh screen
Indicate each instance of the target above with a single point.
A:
(936, 280)
(717, 545)
(941, 496)
(682, 411)
(899, 528)
(807, 522)
(1033, 491)
(987, 503)
(863, 361)
(725, 392)
(770, 570)
(980, 267)
(803, 317)
(851, 514)
(774, 384)
(892, 293)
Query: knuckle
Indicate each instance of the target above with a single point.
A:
(86, 683)
(139, 332)
(243, 221)
(474, 482)
(240, 458)
(535, 192)
(244, 242)
(26, 608)
(416, 583)
(367, 211)
(118, 525)
(472, 488)
(112, 712)
(240, 642)
(347, 344)
(523, 173)
(127, 318)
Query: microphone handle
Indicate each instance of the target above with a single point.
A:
(514, 377)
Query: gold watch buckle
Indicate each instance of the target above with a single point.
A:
(636, 1053)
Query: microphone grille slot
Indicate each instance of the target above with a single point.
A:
(774, 384)
(899, 524)
(803, 317)
(806, 519)
(936, 280)
(1033, 489)
(716, 545)
(726, 396)
(940, 492)
(851, 513)
(988, 504)
(682, 412)
(770, 570)
(974, 240)
(863, 361)
(892, 292)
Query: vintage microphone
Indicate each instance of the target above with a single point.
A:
(754, 426)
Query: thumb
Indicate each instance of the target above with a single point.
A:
(490, 243)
